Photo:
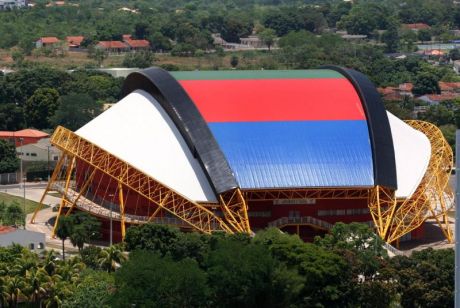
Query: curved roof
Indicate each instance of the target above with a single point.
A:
(278, 129)
(139, 131)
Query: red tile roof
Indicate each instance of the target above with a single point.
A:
(112, 45)
(75, 40)
(25, 133)
(138, 43)
(49, 40)
(387, 90)
(449, 86)
(443, 97)
(6, 229)
(416, 26)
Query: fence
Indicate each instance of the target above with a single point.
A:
(8, 178)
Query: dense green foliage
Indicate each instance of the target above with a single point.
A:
(9, 162)
(167, 268)
(12, 214)
(42, 97)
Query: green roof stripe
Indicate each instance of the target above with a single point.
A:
(260, 74)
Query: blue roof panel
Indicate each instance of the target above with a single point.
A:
(297, 153)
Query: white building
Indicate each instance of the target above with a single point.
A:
(32, 240)
(40, 151)
(12, 4)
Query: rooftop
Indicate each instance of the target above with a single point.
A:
(49, 40)
(112, 44)
(137, 43)
(6, 229)
(25, 133)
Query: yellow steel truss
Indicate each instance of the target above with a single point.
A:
(393, 218)
(432, 198)
(196, 215)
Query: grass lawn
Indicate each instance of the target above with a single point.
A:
(30, 205)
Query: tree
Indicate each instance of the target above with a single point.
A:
(454, 54)
(40, 107)
(63, 231)
(234, 61)
(110, 258)
(268, 37)
(426, 83)
(14, 215)
(75, 110)
(148, 280)
(97, 54)
(8, 159)
(140, 59)
(391, 37)
(18, 58)
(424, 35)
(153, 237)
(94, 291)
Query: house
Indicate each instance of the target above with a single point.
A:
(47, 41)
(40, 151)
(23, 137)
(435, 99)
(252, 41)
(416, 27)
(32, 240)
(449, 86)
(134, 44)
(12, 4)
(113, 46)
(406, 88)
(74, 41)
(390, 93)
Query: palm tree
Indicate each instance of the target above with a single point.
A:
(49, 261)
(110, 258)
(36, 283)
(14, 287)
(63, 230)
(69, 271)
(4, 296)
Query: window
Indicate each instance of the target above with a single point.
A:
(41, 245)
(27, 154)
(362, 211)
(33, 154)
(31, 246)
(55, 158)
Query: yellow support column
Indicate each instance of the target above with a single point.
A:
(48, 186)
(122, 210)
(82, 191)
(67, 183)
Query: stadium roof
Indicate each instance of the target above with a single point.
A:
(204, 133)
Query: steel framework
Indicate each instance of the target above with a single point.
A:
(392, 217)
(432, 198)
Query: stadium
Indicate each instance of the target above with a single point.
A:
(239, 151)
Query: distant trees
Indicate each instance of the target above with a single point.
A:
(12, 214)
(75, 110)
(40, 107)
(426, 83)
(141, 59)
(9, 162)
(268, 37)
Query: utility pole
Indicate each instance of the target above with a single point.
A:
(23, 182)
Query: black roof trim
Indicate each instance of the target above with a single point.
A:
(186, 116)
(383, 153)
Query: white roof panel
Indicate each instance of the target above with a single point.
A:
(412, 155)
(139, 131)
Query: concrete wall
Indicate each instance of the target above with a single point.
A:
(24, 238)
